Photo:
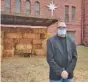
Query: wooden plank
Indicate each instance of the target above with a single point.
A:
(37, 46)
(8, 43)
(13, 35)
(35, 30)
(8, 53)
(28, 35)
(37, 41)
(25, 41)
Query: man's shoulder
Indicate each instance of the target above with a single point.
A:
(51, 38)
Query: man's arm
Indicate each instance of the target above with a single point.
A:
(50, 59)
(72, 65)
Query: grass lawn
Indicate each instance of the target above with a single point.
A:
(25, 69)
(81, 72)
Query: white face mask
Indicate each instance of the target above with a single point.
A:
(62, 32)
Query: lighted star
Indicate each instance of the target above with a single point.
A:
(52, 7)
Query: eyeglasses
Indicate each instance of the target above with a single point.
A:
(61, 27)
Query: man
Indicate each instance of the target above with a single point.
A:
(61, 55)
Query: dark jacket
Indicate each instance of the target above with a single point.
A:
(55, 57)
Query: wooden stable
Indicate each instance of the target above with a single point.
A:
(23, 36)
(23, 40)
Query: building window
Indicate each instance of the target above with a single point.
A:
(7, 5)
(71, 34)
(73, 13)
(28, 7)
(18, 6)
(66, 13)
(37, 8)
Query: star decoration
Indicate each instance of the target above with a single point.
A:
(52, 7)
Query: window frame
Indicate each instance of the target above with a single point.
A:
(7, 9)
(28, 1)
(73, 17)
(66, 13)
(71, 34)
(16, 9)
(37, 12)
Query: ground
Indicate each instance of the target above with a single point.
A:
(25, 69)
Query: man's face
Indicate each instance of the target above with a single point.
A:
(61, 31)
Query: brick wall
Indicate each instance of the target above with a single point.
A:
(85, 25)
(58, 13)
(72, 26)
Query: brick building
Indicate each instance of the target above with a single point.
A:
(25, 23)
(85, 22)
(68, 11)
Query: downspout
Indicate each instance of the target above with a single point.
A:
(82, 21)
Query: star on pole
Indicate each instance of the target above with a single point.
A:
(52, 7)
